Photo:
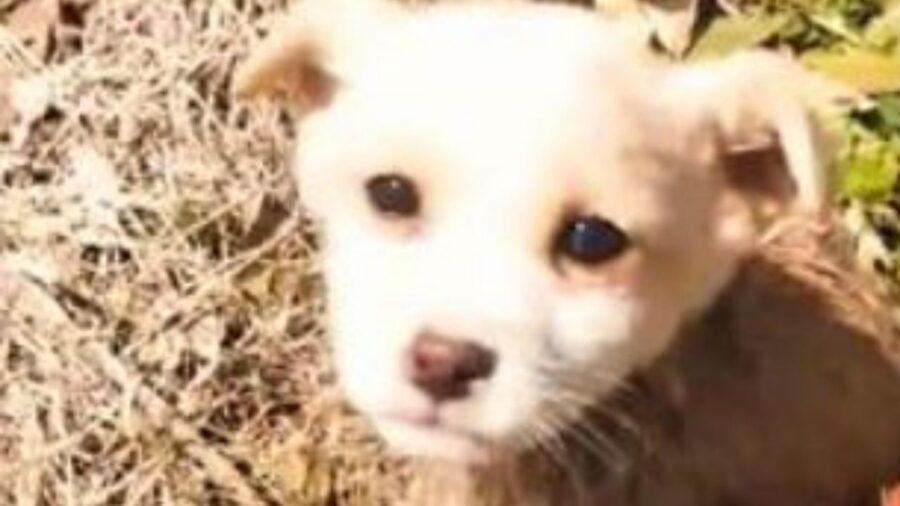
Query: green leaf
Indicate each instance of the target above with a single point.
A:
(836, 25)
(881, 118)
(864, 70)
(884, 31)
(889, 106)
(869, 171)
(729, 33)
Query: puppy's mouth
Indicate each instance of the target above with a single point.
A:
(429, 436)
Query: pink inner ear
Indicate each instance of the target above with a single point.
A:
(759, 171)
(314, 87)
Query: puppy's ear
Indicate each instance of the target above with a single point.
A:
(761, 111)
(304, 59)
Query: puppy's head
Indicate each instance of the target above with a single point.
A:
(519, 206)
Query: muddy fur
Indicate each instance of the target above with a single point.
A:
(785, 392)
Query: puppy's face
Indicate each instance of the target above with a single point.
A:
(519, 209)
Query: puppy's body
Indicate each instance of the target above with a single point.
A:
(543, 244)
(784, 393)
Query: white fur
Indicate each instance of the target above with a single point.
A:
(504, 115)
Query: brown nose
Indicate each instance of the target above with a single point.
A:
(445, 367)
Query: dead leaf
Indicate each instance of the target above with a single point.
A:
(30, 99)
(95, 182)
(729, 33)
(7, 114)
(32, 22)
(21, 293)
(865, 71)
(673, 23)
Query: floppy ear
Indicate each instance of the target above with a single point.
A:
(304, 59)
(772, 150)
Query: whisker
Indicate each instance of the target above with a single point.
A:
(567, 410)
(563, 461)
(589, 407)
(571, 426)
(580, 389)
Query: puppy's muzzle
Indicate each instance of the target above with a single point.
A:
(444, 368)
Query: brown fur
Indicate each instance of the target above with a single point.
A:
(785, 392)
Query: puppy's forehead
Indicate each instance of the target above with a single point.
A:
(536, 75)
(525, 60)
(539, 109)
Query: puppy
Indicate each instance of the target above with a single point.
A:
(551, 266)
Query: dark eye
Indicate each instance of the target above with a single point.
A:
(394, 195)
(590, 240)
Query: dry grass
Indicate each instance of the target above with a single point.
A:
(160, 333)
(160, 340)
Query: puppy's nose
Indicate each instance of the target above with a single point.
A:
(445, 367)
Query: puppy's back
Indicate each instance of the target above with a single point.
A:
(786, 392)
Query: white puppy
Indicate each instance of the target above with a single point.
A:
(520, 207)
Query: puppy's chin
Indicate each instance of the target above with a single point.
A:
(433, 441)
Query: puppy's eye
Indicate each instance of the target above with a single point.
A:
(394, 195)
(589, 240)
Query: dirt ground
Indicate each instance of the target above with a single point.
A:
(160, 341)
